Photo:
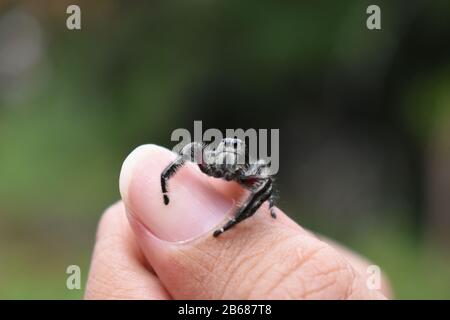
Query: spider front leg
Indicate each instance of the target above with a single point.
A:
(168, 172)
(193, 152)
(255, 200)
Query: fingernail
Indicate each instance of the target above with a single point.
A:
(195, 206)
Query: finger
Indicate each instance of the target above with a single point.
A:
(118, 268)
(261, 258)
(360, 264)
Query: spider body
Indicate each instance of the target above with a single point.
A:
(229, 162)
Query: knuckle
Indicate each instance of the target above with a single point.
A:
(307, 269)
(330, 276)
(270, 265)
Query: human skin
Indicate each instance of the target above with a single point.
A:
(147, 250)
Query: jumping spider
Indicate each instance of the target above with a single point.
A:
(229, 162)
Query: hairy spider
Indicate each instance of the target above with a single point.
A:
(228, 161)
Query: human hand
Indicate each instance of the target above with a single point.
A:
(146, 250)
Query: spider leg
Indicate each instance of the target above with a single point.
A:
(192, 151)
(255, 200)
(271, 205)
(262, 167)
(168, 172)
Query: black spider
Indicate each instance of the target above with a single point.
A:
(228, 161)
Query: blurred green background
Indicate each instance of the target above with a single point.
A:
(364, 119)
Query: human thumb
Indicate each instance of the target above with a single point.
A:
(260, 258)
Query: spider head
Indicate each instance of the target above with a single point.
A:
(230, 154)
(232, 145)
